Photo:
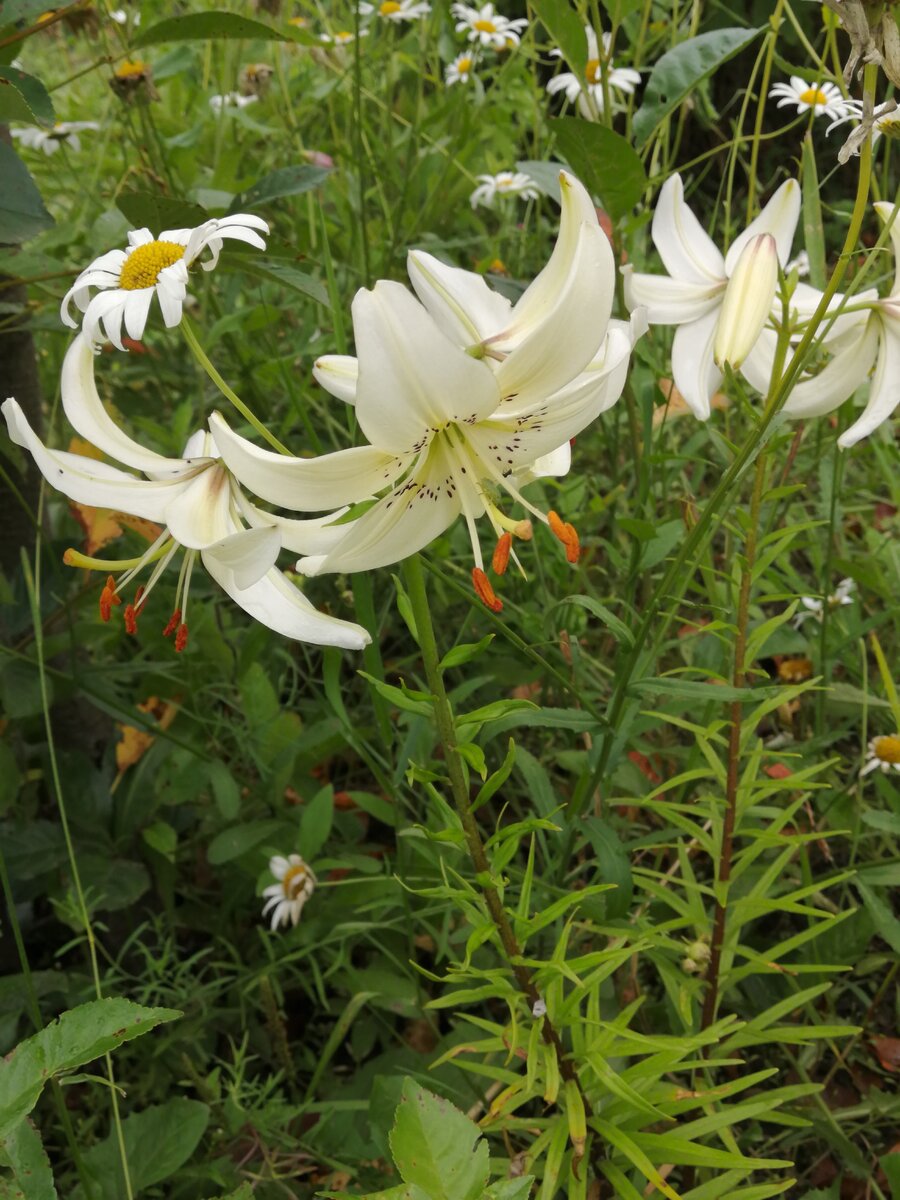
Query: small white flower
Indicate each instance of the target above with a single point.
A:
(461, 69)
(231, 100)
(342, 38)
(588, 92)
(121, 17)
(396, 10)
(127, 280)
(539, 1008)
(814, 607)
(883, 754)
(824, 99)
(800, 264)
(50, 140)
(487, 27)
(296, 883)
(506, 183)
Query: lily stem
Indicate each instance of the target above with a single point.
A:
(414, 577)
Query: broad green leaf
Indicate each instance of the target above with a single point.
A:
(890, 1164)
(407, 699)
(275, 271)
(75, 1038)
(161, 837)
(886, 924)
(566, 29)
(200, 26)
(401, 1192)
(13, 11)
(681, 69)
(32, 1176)
(22, 211)
(285, 181)
(225, 790)
(613, 864)
(605, 162)
(434, 1146)
(158, 1141)
(465, 652)
(159, 212)
(511, 1189)
(24, 98)
(544, 174)
(315, 822)
(231, 843)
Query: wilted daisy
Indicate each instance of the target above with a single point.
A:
(506, 183)
(127, 280)
(824, 99)
(202, 510)
(133, 80)
(487, 27)
(50, 140)
(396, 10)
(461, 69)
(883, 119)
(231, 100)
(814, 607)
(588, 92)
(296, 883)
(883, 754)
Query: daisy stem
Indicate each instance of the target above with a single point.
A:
(200, 354)
(414, 577)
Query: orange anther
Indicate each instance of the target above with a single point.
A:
(173, 623)
(181, 638)
(484, 591)
(502, 550)
(130, 619)
(566, 534)
(108, 598)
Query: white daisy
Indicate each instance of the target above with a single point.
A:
(487, 27)
(461, 69)
(296, 883)
(588, 92)
(814, 607)
(883, 755)
(824, 99)
(127, 280)
(342, 38)
(506, 183)
(396, 10)
(884, 119)
(231, 100)
(50, 140)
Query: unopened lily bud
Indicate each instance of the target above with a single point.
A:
(748, 301)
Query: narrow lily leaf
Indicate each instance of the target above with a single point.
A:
(813, 232)
(606, 163)
(681, 69)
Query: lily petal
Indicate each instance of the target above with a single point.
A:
(884, 209)
(316, 535)
(884, 395)
(412, 379)
(307, 484)
(249, 554)
(201, 514)
(779, 217)
(671, 301)
(686, 249)
(693, 367)
(461, 302)
(338, 374)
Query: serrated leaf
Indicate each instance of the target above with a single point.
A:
(212, 25)
(159, 212)
(681, 69)
(22, 211)
(24, 98)
(605, 162)
(285, 181)
(30, 1166)
(73, 1039)
(434, 1146)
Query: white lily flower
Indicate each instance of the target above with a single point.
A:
(296, 883)
(587, 93)
(127, 280)
(487, 27)
(505, 183)
(692, 294)
(50, 140)
(824, 99)
(462, 396)
(199, 503)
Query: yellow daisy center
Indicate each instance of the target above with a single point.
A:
(484, 26)
(294, 881)
(814, 96)
(464, 65)
(389, 8)
(129, 69)
(887, 749)
(142, 267)
(592, 70)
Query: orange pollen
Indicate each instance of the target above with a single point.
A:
(133, 611)
(181, 637)
(567, 534)
(502, 550)
(887, 749)
(173, 623)
(108, 598)
(484, 591)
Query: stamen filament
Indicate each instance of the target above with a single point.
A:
(74, 558)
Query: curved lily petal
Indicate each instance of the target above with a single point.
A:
(555, 464)
(884, 209)
(779, 218)
(686, 249)
(338, 374)
(571, 328)
(462, 303)
(838, 379)
(693, 367)
(884, 395)
(90, 419)
(315, 535)
(671, 301)
(307, 484)
(201, 514)
(412, 379)
(90, 482)
(275, 602)
(248, 553)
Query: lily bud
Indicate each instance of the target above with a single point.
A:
(748, 301)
